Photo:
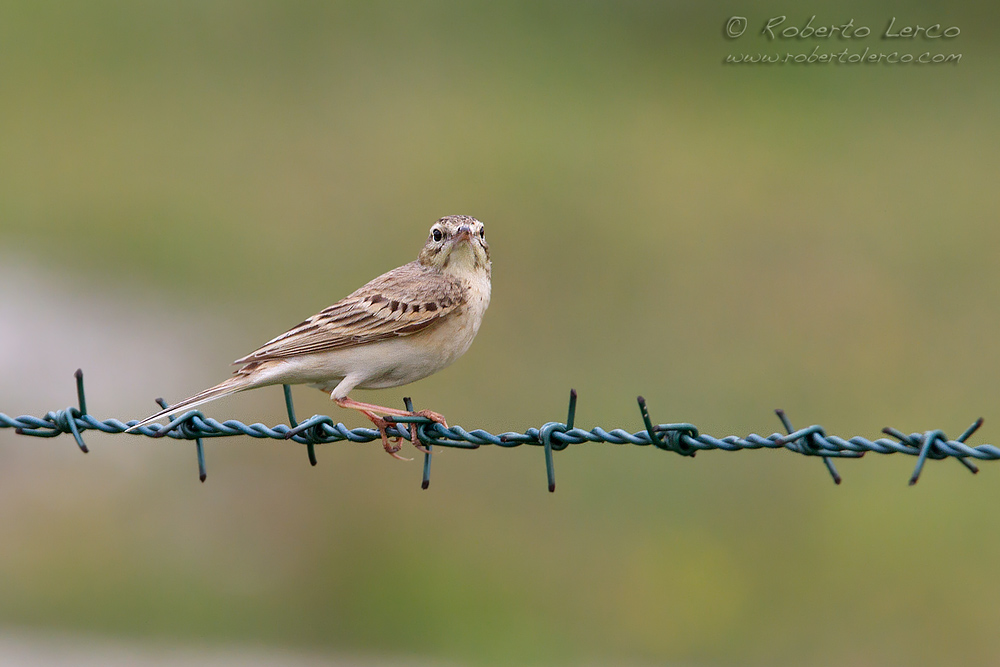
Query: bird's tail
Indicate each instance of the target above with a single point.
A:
(234, 384)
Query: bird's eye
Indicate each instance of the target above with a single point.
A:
(436, 234)
(482, 233)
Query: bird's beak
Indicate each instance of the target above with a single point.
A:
(464, 233)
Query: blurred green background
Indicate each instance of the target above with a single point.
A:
(180, 182)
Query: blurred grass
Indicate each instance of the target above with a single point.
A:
(723, 240)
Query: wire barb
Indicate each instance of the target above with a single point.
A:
(428, 447)
(199, 447)
(674, 442)
(292, 422)
(807, 446)
(680, 438)
(928, 446)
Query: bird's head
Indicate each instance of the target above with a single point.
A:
(456, 244)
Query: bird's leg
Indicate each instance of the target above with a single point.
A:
(347, 402)
(370, 409)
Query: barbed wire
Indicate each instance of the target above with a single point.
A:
(680, 438)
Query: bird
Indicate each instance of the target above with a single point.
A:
(398, 328)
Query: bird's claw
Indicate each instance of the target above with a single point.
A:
(414, 438)
(393, 448)
(416, 441)
(433, 416)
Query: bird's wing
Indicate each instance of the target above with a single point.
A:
(398, 303)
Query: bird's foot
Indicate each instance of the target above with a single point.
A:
(372, 412)
(392, 448)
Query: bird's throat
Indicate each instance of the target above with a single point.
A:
(465, 258)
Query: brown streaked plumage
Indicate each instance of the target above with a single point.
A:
(401, 302)
(400, 327)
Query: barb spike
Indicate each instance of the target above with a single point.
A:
(550, 469)
(292, 422)
(571, 413)
(925, 449)
(71, 418)
(426, 481)
(199, 447)
(79, 391)
(832, 469)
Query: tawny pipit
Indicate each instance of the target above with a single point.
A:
(401, 327)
